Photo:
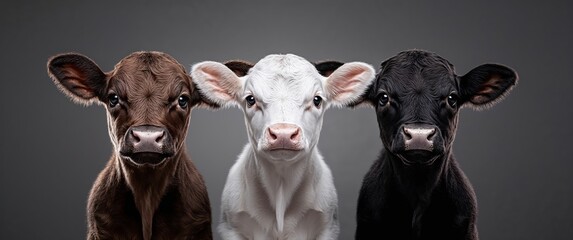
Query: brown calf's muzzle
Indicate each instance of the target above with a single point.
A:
(147, 144)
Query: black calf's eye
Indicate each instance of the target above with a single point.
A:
(384, 99)
(317, 101)
(183, 101)
(250, 100)
(113, 99)
(453, 100)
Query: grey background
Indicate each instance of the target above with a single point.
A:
(518, 154)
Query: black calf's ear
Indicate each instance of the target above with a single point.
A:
(239, 67)
(77, 76)
(327, 67)
(487, 84)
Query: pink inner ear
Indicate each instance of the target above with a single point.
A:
(220, 85)
(218, 91)
(343, 88)
(344, 85)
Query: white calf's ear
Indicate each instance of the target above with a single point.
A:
(217, 82)
(346, 84)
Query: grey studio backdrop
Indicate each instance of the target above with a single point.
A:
(518, 154)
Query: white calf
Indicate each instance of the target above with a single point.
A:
(280, 187)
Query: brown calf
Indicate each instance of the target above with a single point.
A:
(149, 189)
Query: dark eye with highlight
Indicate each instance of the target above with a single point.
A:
(113, 100)
(384, 99)
(453, 100)
(250, 100)
(183, 101)
(317, 100)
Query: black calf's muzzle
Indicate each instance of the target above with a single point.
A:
(418, 144)
(418, 137)
(147, 144)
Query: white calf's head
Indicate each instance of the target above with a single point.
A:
(283, 97)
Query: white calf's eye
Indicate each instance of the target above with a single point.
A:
(317, 101)
(250, 100)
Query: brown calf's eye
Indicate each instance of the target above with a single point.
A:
(317, 101)
(250, 100)
(113, 99)
(183, 101)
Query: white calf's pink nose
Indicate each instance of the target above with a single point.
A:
(284, 136)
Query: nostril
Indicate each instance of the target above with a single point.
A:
(134, 135)
(160, 137)
(431, 134)
(295, 135)
(407, 133)
(272, 135)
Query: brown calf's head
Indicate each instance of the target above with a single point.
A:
(148, 97)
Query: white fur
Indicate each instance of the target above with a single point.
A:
(281, 194)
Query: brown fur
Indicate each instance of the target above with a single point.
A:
(167, 200)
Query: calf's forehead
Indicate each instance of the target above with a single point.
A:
(417, 74)
(151, 72)
(284, 74)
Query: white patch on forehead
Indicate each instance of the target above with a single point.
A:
(283, 77)
(288, 64)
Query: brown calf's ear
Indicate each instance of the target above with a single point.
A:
(326, 68)
(486, 84)
(239, 67)
(77, 76)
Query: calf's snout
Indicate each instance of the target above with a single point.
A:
(147, 139)
(284, 136)
(418, 137)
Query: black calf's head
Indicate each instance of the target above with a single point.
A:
(417, 97)
(148, 98)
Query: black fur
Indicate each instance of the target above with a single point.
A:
(239, 67)
(404, 195)
(326, 68)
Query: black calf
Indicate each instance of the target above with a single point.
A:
(415, 190)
